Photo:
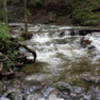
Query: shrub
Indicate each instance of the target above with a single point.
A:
(91, 23)
(4, 36)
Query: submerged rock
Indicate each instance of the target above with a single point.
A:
(84, 32)
(2, 98)
(16, 96)
(35, 96)
(54, 95)
(47, 90)
(30, 86)
(92, 47)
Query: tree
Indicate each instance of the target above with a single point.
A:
(25, 18)
(5, 12)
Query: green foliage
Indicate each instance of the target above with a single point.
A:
(6, 43)
(12, 54)
(83, 12)
(8, 46)
(29, 13)
(91, 23)
(95, 16)
(4, 36)
(35, 1)
(34, 5)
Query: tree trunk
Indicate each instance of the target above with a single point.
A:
(5, 12)
(25, 18)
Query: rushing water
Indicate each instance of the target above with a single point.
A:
(64, 70)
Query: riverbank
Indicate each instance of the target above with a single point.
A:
(58, 12)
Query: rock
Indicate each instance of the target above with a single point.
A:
(2, 98)
(54, 95)
(47, 90)
(51, 93)
(35, 96)
(29, 35)
(64, 89)
(30, 86)
(84, 32)
(84, 42)
(92, 47)
(62, 34)
(16, 96)
(74, 32)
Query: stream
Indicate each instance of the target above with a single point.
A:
(64, 70)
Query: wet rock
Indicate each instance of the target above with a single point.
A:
(62, 86)
(47, 90)
(14, 84)
(1, 88)
(64, 89)
(51, 93)
(30, 86)
(3, 98)
(54, 95)
(84, 42)
(93, 93)
(14, 87)
(29, 36)
(91, 80)
(15, 96)
(84, 32)
(77, 89)
(62, 34)
(13, 90)
(35, 96)
(74, 32)
(91, 47)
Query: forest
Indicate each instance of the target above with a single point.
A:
(49, 49)
(68, 12)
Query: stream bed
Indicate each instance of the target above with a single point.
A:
(64, 70)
